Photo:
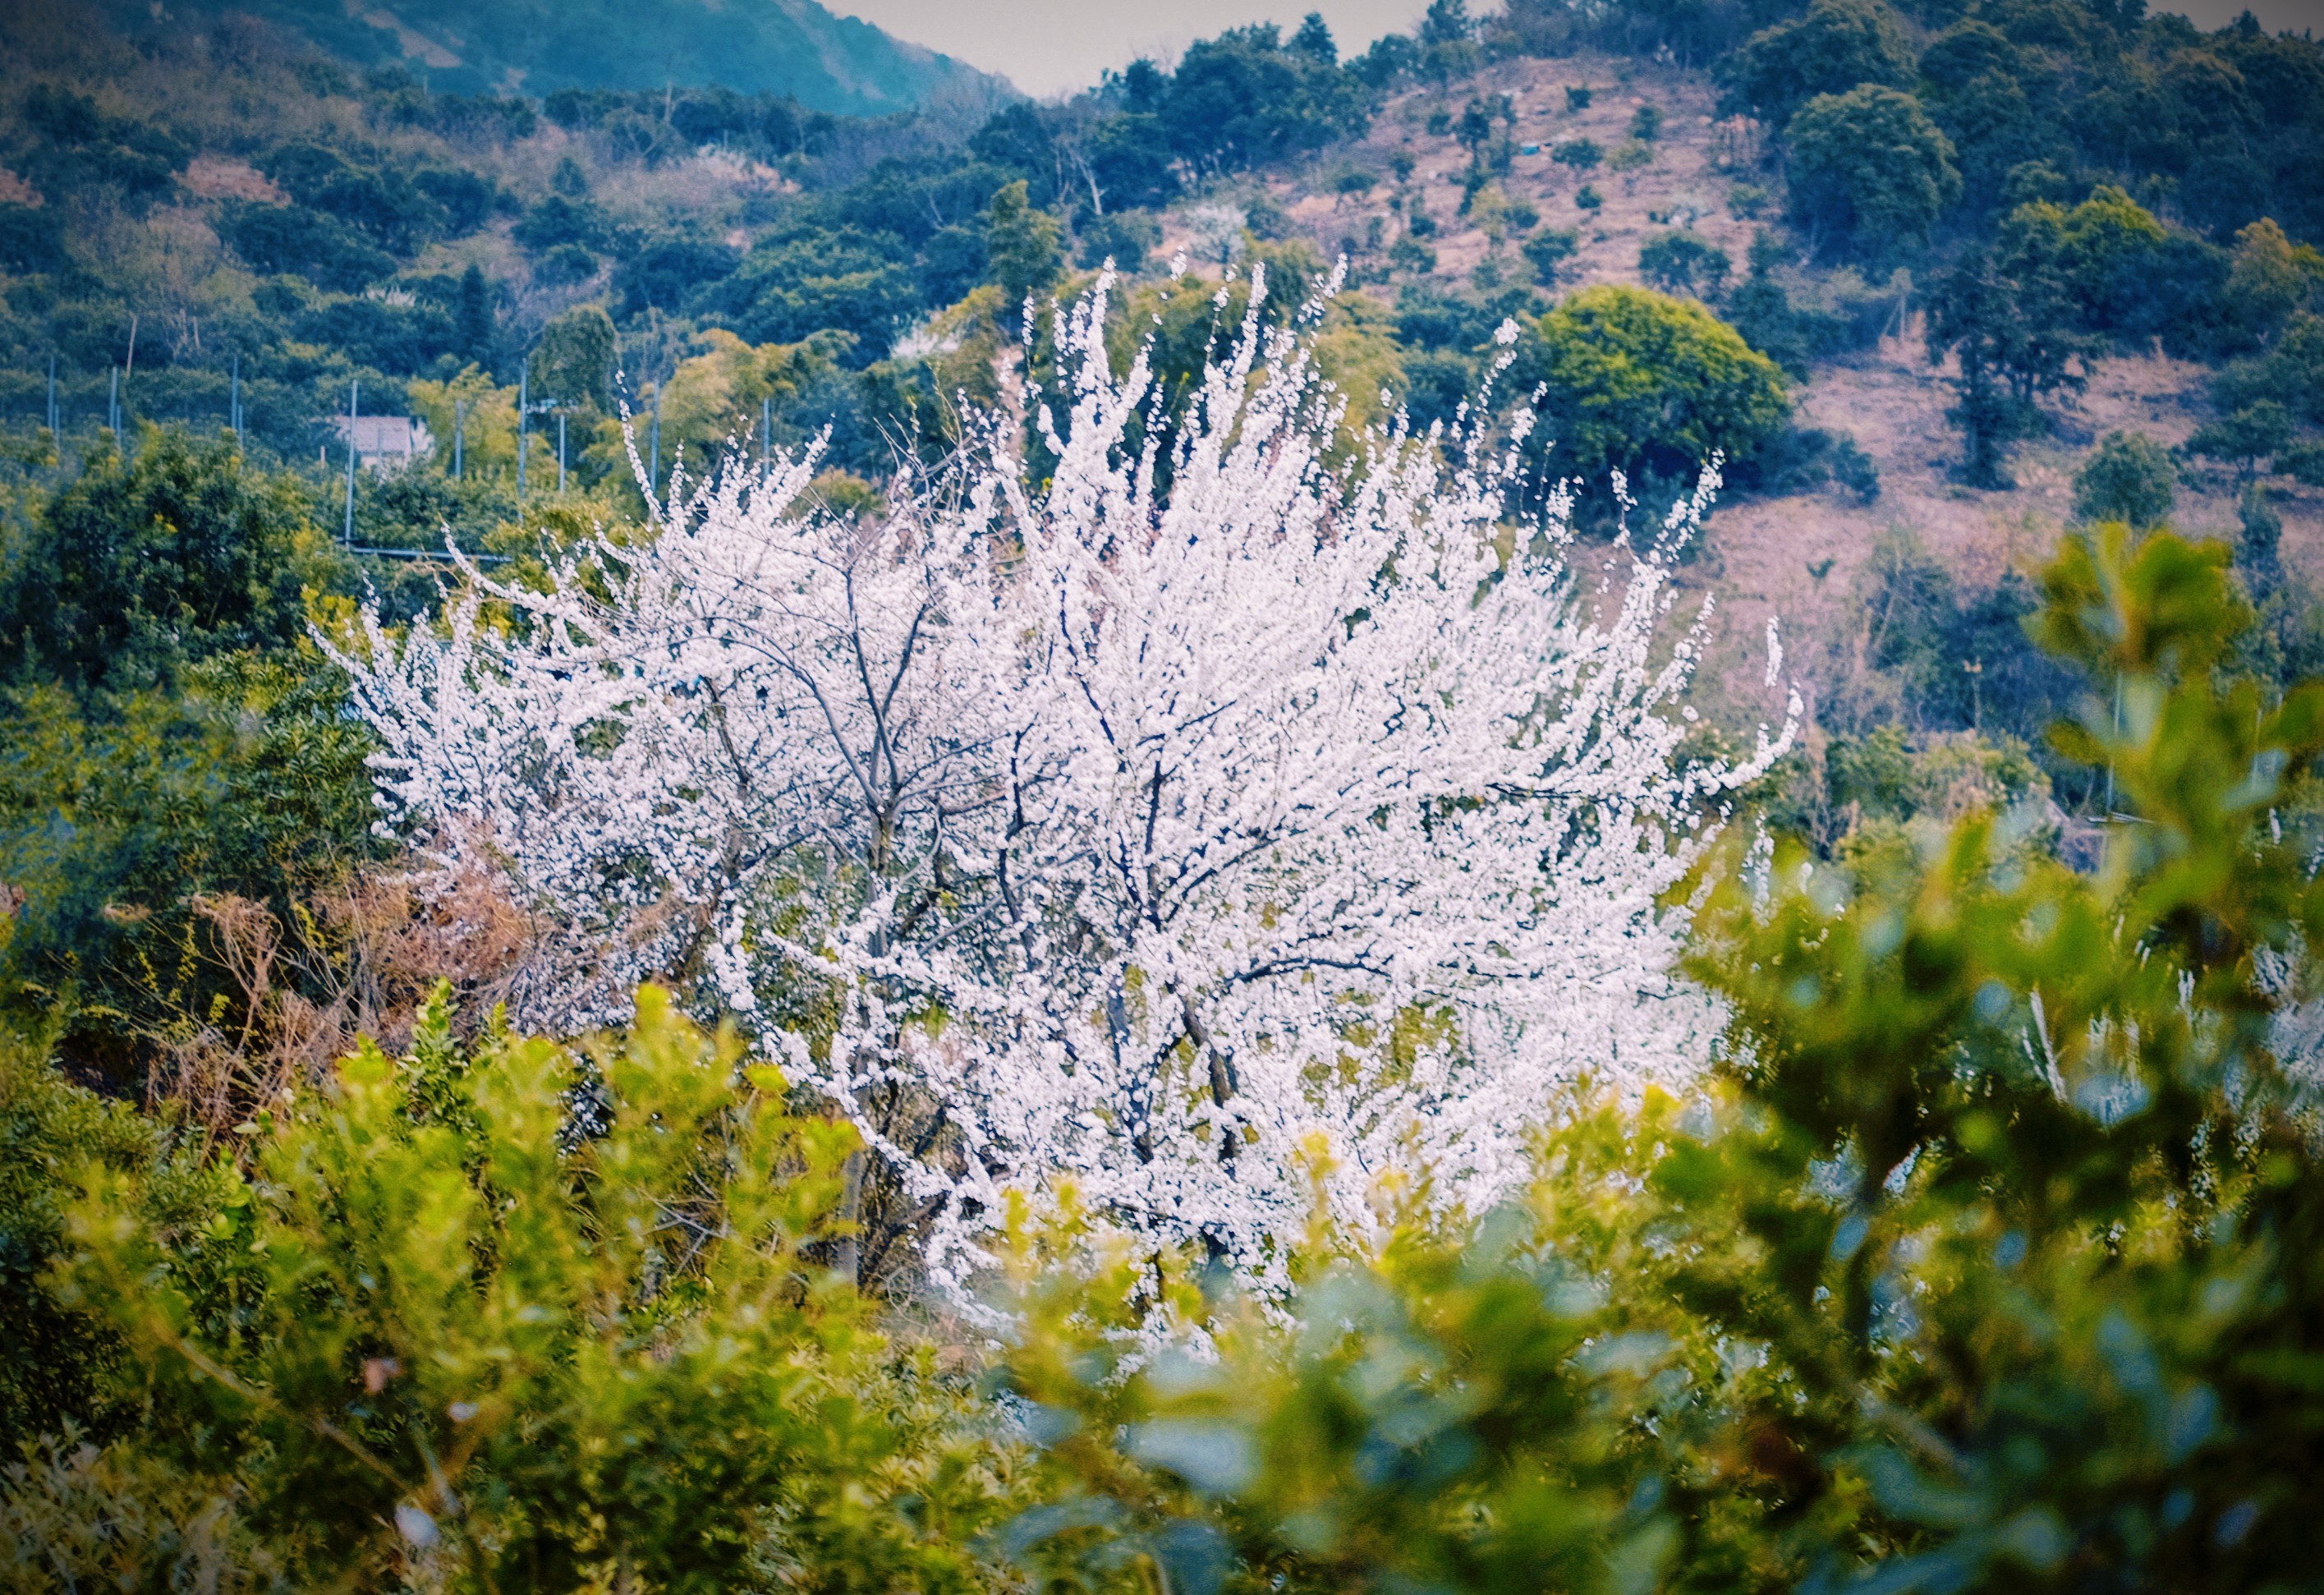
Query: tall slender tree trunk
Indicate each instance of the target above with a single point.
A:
(847, 1257)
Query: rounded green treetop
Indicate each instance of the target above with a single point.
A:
(1869, 164)
(1638, 381)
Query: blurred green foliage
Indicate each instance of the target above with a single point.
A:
(422, 1333)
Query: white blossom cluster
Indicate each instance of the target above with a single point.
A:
(1219, 799)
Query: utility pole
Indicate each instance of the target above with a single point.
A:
(2117, 732)
(766, 432)
(560, 451)
(460, 433)
(348, 536)
(653, 471)
(523, 397)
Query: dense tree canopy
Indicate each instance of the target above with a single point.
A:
(1643, 383)
(168, 731)
(1869, 170)
(140, 566)
(1836, 46)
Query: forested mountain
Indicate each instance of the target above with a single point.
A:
(792, 48)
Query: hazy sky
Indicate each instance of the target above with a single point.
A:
(1050, 46)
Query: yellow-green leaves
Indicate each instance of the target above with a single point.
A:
(527, 1347)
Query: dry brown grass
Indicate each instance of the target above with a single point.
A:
(355, 962)
(215, 176)
(1764, 555)
(1697, 161)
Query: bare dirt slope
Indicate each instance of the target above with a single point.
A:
(1770, 555)
(1693, 173)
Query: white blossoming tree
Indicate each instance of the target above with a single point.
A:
(1226, 797)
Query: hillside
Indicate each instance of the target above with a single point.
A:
(1931, 343)
(794, 49)
(1798, 556)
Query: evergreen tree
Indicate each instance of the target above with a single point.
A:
(2127, 478)
(1314, 40)
(1869, 168)
(1838, 46)
(473, 320)
(2003, 331)
(1024, 245)
(573, 360)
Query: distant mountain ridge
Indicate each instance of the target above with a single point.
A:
(533, 47)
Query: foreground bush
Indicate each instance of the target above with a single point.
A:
(439, 1333)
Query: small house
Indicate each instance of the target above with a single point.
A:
(384, 442)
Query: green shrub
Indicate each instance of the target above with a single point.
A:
(2258, 431)
(2129, 477)
(1640, 381)
(51, 1365)
(293, 238)
(76, 1515)
(441, 1331)
(1548, 250)
(1801, 459)
(1681, 262)
(135, 567)
(168, 732)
